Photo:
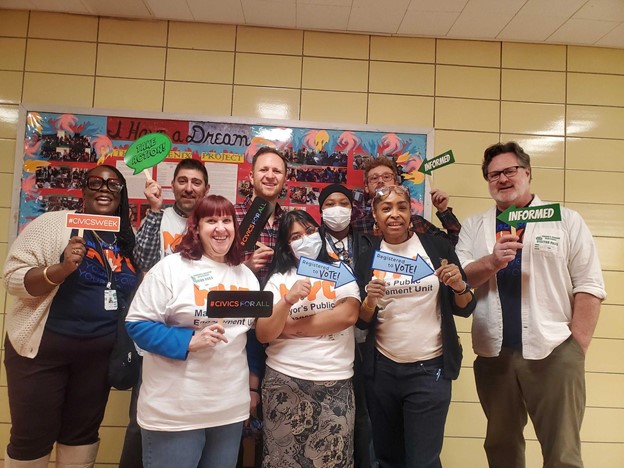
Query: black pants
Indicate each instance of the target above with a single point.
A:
(132, 452)
(60, 395)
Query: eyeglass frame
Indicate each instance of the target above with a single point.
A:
(386, 177)
(493, 176)
(104, 182)
(385, 191)
(309, 230)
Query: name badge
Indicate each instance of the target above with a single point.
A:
(110, 299)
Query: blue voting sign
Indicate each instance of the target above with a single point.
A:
(417, 269)
(340, 274)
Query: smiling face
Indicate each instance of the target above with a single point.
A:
(268, 176)
(101, 201)
(393, 215)
(514, 190)
(188, 187)
(216, 234)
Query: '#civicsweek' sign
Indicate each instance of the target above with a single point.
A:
(93, 222)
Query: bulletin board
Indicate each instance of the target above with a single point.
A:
(56, 146)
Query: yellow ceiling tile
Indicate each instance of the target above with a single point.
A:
(461, 180)
(604, 356)
(266, 70)
(406, 111)
(536, 119)
(200, 65)
(46, 25)
(613, 285)
(611, 251)
(594, 187)
(335, 74)
(594, 121)
(322, 44)
(8, 121)
(545, 151)
(328, 106)
(11, 89)
(402, 49)
(464, 207)
(14, 23)
(534, 56)
(477, 53)
(611, 325)
(534, 86)
(468, 147)
(198, 98)
(6, 186)
(45, 55)
(202, 36)
(118, 93)
(469, 82)
(7, 161)
(68, 90)
(131, 61)
(456, 451)
(465, 419)
(600, 387)
(133, 31)
(467, 114)
(603, 454)
(602, 219)
(594, 154)
(548, 184)
(269, 40)
(401, 78)
(595, 60)
(600, 90)
(266, 103)
(12, 52)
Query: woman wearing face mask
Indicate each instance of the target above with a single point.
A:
(307, 394)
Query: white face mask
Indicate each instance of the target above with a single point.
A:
(307, 246)
(337, 218)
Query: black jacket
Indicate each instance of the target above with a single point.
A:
(436, 248)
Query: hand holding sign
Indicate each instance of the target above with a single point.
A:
(340, 274)
(146, 152)
(208, 337)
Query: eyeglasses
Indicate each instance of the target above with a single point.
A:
(387, 177)
(383, 192)
(508, 172)
(96, 183)
(296, 236)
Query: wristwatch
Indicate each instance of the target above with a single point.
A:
(466, 290)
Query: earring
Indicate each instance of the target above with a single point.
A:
(411, 226)
(376, 230)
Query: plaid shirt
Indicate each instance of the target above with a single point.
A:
(147, 242)
(420, 225)
(268, 236)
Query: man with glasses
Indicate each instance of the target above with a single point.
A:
(157, 237)
(539, 291)
(381, 172)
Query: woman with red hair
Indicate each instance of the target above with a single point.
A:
(195, 396)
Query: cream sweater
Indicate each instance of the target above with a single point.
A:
(40, 244)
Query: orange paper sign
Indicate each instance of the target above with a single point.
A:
(94, 222)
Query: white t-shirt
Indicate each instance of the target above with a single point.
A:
(172, 228)
(409, 318)
(210, 387)
(326, 357)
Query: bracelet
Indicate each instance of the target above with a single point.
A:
(255, 390)
(466, 290)
(366, 305)
(48, 280)
(287, 301)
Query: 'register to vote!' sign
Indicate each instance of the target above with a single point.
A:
(147, 151)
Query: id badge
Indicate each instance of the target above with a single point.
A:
(110, 299)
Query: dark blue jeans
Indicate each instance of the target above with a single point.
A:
(408, 404)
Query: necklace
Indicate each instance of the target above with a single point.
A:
(105, 245)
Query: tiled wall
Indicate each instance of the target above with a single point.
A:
(564, 104)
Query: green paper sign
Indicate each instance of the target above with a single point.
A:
(534, 214)
(147, 151)
(439, 161)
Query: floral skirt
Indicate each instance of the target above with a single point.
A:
(307, 424)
